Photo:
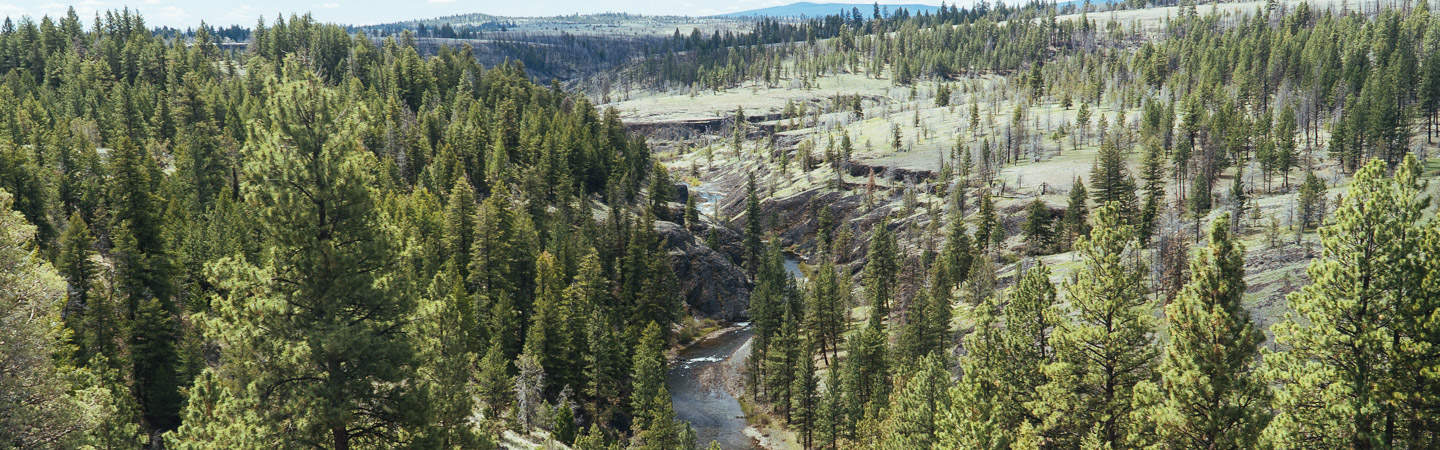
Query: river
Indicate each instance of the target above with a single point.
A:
(698, 376)
(697, 384)
(697, 387)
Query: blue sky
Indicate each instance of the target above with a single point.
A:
(178, 13)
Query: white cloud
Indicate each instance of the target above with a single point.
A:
(440, 1)
(330, 5)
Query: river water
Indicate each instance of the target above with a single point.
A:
(696, 382)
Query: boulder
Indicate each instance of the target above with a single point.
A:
(710, 283)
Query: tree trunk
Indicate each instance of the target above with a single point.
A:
(340, 436)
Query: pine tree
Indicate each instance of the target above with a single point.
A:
(307, 181)
(1110, 182)
(1311, 195)
(956, 254)
(781, 357)
(1212, 395)
(692, 214)
(1285, 152)
(988, 224)
(497, 164)
(495, 380)
(831, 420)
(1238, 197)
(444, 322)
(913, 419)
(144, 274)
(767, 310)
(1030, 321)
(1076, 221)
(1004, 363)
(1105, 348)
(1345, 345)
(154, 364)
(754, 248)
(1037, 227)
(805, 395)
(654, 424)
(866, 376)
(738, 133)
(459, 232)
(87, 317)
(497, 267)
(548, 336)
(939, 312)
(912, 336)
(605, 370)
(882, 264)
(829, 300)
(661, 191)
(1153, 172)
(970, 421)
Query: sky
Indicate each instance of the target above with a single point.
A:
(188, 13)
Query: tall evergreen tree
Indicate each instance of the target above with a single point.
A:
(1037, 227)
(144, 281)
(987, 227)
(1105, 348)
(444, 322)
(754, 247)
(1153, 172)
(1285, 149)
(1111, 182)
(1076, 221)
(882, 264)
(654, 425)
(1212, 395)
(322, 280)
(829, 301)
(87, 316)
(1347, 352)
(805, 395)
(913, 418)
(459, 232)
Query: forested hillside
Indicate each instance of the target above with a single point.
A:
(325, 241)
(1024, 226)
(1194, 227)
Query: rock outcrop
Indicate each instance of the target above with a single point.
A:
(711, 284)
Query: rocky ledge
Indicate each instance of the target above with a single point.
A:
(713, 286)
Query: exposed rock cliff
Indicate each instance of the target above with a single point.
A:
(713, 286)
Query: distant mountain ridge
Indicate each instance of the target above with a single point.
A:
(808, 9)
